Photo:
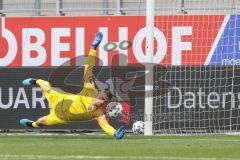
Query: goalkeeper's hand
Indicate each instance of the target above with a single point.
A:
(97, 40)
(119, 134)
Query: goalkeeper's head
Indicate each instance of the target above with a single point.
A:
(104, 97)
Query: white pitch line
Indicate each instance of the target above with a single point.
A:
(79, 157)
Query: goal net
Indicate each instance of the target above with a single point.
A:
(197, 84)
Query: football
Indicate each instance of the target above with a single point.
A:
(138, 127)
(114, 109)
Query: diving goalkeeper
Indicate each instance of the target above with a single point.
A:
(89, 104)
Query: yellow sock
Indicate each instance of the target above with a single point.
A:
(34, 124)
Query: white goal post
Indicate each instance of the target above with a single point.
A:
(149, 67)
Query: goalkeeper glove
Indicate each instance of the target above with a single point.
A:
(119, 134)
(97, 40)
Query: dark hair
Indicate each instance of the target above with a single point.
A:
(108, 93)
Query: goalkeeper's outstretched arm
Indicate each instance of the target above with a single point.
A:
(108, 129)
(88, 75)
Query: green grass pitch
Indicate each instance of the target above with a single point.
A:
(131, 147)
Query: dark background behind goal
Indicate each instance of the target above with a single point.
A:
(185, 98)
